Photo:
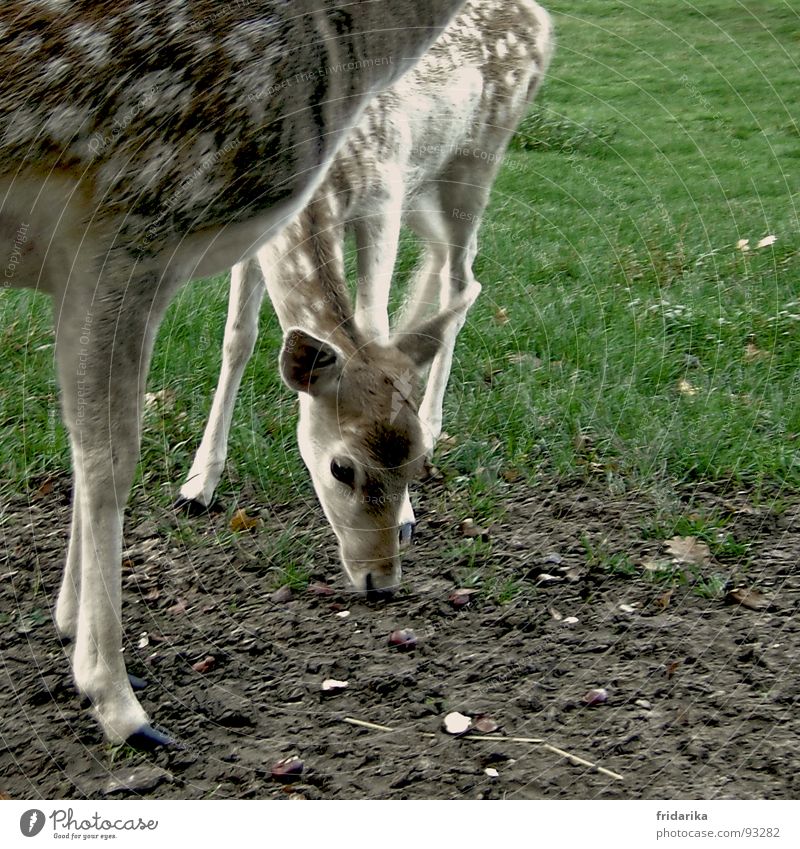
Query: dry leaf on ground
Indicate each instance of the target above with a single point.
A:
(751, 599)
(242, 522)
(688, 550)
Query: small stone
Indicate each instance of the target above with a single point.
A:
(456, 723)
(642, 703)
(597, 696)
(492, 772)
(330, 686)
(571, 620)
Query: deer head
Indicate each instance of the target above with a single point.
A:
(361, 438)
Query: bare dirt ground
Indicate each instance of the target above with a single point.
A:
(702, 692)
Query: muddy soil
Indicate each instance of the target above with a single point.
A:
(702, 692)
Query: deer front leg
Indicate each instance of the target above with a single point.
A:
(377, 238)
(460, 290)
(241, 334)
(103, 346)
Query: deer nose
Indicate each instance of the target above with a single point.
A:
(375, 593)
(406, 534)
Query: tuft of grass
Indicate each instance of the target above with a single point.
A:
(545, 130)
(600, 557)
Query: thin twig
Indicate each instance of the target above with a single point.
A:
(361, 724)
(536, 741)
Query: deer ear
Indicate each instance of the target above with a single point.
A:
(308, 364)
(423, 342)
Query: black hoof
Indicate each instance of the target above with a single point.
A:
(406, 534)
(190, 507)
(148, 739)
(136, 682)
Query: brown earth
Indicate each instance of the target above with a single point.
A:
(702, 693)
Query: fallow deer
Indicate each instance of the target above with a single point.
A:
(143, 144)
(428, 151)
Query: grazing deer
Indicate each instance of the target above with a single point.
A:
(143, 144)
(427, 150)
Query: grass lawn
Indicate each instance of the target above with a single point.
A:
(621, 332)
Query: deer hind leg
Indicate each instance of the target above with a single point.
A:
(241, 334)
(103, 346)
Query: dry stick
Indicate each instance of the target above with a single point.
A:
(533, 740)
(361, 724)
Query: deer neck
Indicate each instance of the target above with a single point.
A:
(305, 275)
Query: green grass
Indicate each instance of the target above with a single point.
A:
(665, 133)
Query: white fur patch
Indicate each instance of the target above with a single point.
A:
(93, 42)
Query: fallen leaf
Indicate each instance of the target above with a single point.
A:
(485, 724)
(403, 639)
(511, 475)
(743, 245)
(288, 770)
(672, 668)
(144, 641)
(456, 723)
(627, 608)
(688, 550)
(282, 595)
(446, 440)
(555, 614)
(767, 241)
(461, 597)
(205, 665)
(662, 602)
(153, 595)
(751, 599)
(320, 589)
(46, 488)
(597, 696)
(571, 620)
(687, 389)
(470, 529)
(501, 316)
(242, 522)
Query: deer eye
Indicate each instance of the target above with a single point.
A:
(343, 472)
